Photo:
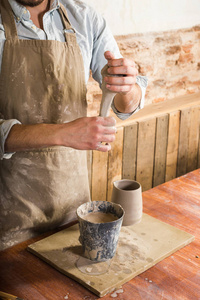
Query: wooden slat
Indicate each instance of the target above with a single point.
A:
(172, 146)
(192, 162)
(115, 162)
(99, 176)
(157, 109)
(145, 153)
(129, 152)
(183, 142)
(89, 166)
(160, 149)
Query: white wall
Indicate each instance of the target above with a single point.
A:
(139, 16)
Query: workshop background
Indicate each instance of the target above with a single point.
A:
(163, 37)
(162, 141)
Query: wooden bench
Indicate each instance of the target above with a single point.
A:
(157, 144)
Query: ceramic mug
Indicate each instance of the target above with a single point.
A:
(128, 193)
(99, 238)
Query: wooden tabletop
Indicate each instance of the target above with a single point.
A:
(177, 277)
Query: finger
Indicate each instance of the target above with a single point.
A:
(109, 130)
(104, 121)
(121, 62)
(123, 70)
(120, 80)
(105, 138)
(119, 88)
(108, 121)
(103, 147)
(109, 55)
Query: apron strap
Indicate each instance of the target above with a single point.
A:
(10, 27)
(8, 20)
(69, 31)
(65, 18)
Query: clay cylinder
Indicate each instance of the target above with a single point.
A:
(128, 193)
(99, 240)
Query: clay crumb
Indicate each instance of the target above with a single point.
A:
(89, 270)
(115, 294)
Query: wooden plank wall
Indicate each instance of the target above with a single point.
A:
(152, 149)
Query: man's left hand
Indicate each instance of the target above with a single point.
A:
(121, 66)
(128, 93)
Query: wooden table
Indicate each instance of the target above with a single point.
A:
(177, 277)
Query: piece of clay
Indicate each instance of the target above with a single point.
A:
(107, 96)
(99, 217)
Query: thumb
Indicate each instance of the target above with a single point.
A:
(109, 55)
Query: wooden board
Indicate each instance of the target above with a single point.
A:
(183, 142)
(140, 247)
(193, 139)
(160, 150)
(157, 109)
(89, 166)
(172, 146)
(130, 152)
(115, 162)
(99, 175)
(139, 152)
(145, 153)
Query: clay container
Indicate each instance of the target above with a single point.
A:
(99, 238)
(128, 193)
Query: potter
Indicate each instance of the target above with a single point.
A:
(128, 193)
(48, 49)
(99, 224)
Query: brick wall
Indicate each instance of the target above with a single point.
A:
(170, 60)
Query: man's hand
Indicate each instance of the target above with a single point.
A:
(122, 66)
(89, 133)
(128, 92)
(94, 133)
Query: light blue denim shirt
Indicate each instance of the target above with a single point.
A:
(93, 37)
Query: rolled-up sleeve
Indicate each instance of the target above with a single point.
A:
(5, 127)
(142, 81)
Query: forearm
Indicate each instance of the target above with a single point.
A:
(29, 137)
(83, 134)
(127, 103)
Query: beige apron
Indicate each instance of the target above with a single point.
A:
(41, 82)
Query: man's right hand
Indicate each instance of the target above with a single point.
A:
(87, 133)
